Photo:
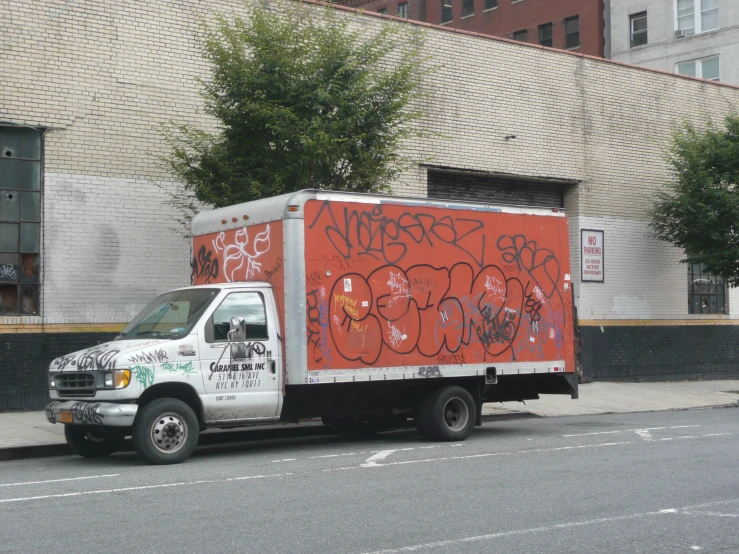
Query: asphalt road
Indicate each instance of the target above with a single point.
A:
(654, 483)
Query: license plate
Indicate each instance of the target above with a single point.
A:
(65, 416)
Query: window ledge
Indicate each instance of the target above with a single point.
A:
(574, 47)
(490, 9)
(468, 16)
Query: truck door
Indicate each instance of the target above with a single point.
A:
(245, 383)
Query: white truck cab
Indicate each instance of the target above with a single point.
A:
(177, 348)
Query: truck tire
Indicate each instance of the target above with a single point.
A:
(165, 431)
(447, 414)
(89, 443)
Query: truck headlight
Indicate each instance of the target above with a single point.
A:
(52, 381)
(119, 379)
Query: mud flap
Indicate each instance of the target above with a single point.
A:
(572, 380)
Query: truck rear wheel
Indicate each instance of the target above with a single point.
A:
(165, 431)
(91, 443)
(447, 414)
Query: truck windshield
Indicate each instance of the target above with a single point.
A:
(171, 315)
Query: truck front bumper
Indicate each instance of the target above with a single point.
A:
(77, 412)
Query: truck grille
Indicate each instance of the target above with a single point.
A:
(75, 384)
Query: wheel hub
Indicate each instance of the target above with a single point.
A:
(456, 414)
(169, 433)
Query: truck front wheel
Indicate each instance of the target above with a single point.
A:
(447, 414)
(165, 431)
(91, 443)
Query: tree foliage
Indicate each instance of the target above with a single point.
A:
(301, 101)
(699, 210)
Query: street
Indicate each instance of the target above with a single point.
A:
(662, 482)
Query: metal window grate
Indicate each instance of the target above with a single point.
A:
(706, 292)
(21, 151)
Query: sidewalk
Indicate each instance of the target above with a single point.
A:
(28, 434)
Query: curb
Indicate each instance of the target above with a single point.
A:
(209, 439)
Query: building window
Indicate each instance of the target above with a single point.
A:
(446, 11)
(403, 10)
(709, 15)
(572, 32)
(686, 15)
(382, 11)
(521, 35)
(545, 34)
(491, 4)
(468, 7)
(638, 23)
(20, 220)
(686, 21)
(707, 68)
(706, 292)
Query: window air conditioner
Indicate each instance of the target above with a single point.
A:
(680, 33)
(690, 31)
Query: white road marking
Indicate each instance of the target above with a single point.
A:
(143, 487)
(334, 455)
(713, 514)
(59, 480)
(284, 460)
(696, 436)
(644, 434)
(530, 531)
(695, 548)
(381, 455)
(556, 527)
(630, 430)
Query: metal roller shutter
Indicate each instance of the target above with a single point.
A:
(476, 187)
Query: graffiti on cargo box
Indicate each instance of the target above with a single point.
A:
(204, 266)
(389, 238)
(378, 290)
(241, 257)
(382, 310)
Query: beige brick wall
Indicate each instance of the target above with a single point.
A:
(103, 76)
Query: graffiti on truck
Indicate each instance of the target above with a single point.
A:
(378, 289)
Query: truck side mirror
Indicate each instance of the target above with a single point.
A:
(238, 329)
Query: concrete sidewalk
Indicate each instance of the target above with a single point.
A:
(28, 434)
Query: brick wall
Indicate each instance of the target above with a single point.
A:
(102, 77)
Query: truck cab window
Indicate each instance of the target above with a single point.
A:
(250, 306)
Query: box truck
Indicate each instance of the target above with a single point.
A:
(365, 311)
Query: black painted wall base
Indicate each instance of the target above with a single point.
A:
(629, 353)
(24, 363)
(660, 353)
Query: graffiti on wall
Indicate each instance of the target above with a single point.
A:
(395, 284)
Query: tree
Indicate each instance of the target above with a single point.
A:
(300, 101)
(699, 211)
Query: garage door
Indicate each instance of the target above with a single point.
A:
(476, 187)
